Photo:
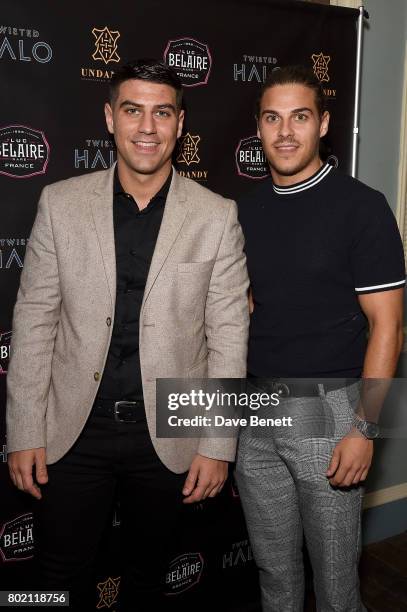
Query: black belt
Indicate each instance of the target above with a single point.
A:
(290, 387)
(121, 411)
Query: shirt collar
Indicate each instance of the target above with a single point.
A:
(304, 185)
(162, 193)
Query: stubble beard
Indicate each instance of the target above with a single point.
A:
(296, 168)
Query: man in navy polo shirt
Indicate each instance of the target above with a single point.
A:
(326, 265)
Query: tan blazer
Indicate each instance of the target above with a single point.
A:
(193, 320)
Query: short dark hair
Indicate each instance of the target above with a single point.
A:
(300, 75)
(152, 70)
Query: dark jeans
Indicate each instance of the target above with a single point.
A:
(109, 460)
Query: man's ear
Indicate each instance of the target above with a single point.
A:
(109, 118)
(323, 128)
(181, 118)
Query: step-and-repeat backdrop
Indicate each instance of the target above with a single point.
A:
(55, 62)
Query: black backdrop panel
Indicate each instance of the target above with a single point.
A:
(54, 66)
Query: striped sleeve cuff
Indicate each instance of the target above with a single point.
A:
(385, 287)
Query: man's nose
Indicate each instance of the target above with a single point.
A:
(147, 124)
(286, 129)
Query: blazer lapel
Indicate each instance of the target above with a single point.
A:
(174, 215)
(102, 212)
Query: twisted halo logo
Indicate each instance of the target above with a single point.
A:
(189, 149)
(190, 59)
(108, 592)
(250, 159)
(240, 554)
(254, 68)
(321, 62)
(24, 151)
(3, 450)
(95, 153)
(22, 44)
(184, 572)
(12, 251)
(106, 45)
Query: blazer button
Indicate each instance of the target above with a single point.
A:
(108, 321)
(96, 376)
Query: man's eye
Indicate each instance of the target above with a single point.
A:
(272, 118)
(163, 113)
(301, 116)
(132, 111)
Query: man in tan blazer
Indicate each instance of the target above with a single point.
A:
(131, 274)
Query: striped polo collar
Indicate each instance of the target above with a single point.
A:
(304, 185)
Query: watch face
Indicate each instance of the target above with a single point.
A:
(372, 431)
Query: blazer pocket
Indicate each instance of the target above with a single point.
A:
(189, 286)
(195, 266)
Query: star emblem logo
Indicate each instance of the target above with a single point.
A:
(321, 62)
(108, 592)
(189, 150)
(106, 45)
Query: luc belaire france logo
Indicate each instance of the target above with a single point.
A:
(184, 573)
(16, 538)
(250, 159)
(5, 339)
(190, 59)
(24, 151)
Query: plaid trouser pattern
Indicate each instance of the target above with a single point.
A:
(286, 496)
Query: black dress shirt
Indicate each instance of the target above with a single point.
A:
(135, 233)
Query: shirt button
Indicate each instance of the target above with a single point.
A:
(129, 290)
(108, 321)
(96, 376)
(133, 252)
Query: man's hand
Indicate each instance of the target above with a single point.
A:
(206, 478)
(21, 464)
(350, 460)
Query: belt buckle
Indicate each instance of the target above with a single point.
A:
(124, 404)
(281, 389)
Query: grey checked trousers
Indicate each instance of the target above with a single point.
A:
(285, 495)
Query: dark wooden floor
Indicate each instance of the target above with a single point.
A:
(383, 576)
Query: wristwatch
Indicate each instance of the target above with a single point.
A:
(367, 428)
